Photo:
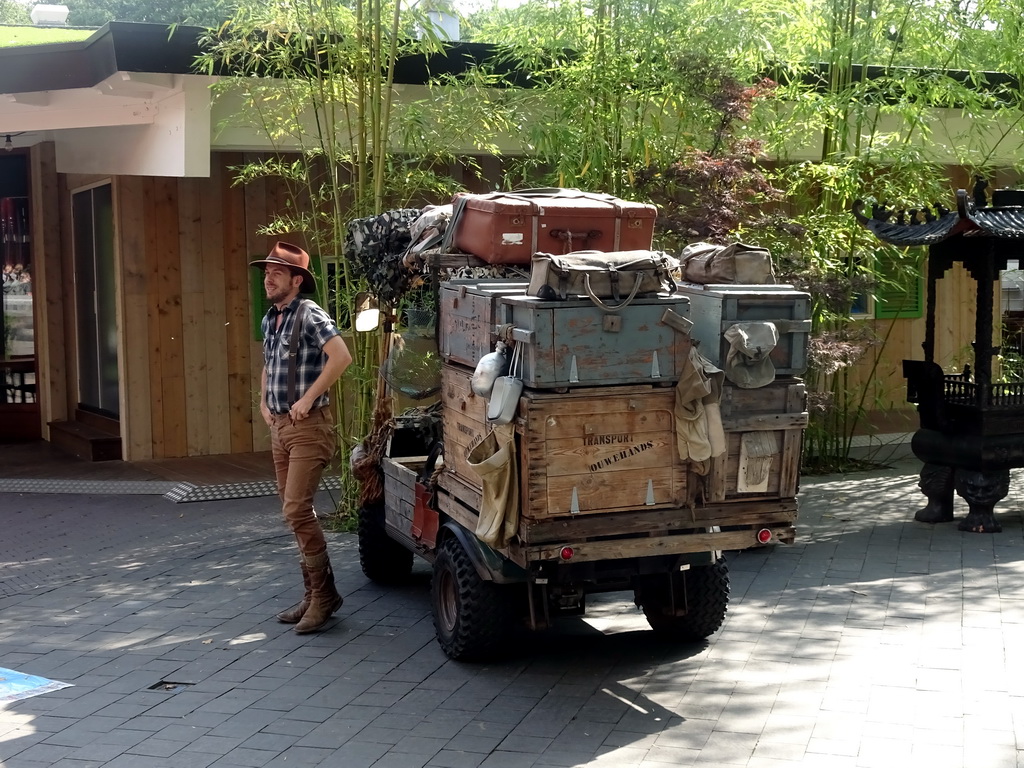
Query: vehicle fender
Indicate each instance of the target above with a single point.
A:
(700, 558)
(490, 564)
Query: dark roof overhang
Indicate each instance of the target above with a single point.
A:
(819, 76)
(136, 47)
(115, 47)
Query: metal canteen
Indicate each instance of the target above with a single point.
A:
(501, 408)
(488, 369)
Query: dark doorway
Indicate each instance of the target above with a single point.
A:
(95, 300)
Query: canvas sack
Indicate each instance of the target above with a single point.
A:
(707, 264)
(494, 460)
(748, 362)
(618, 276)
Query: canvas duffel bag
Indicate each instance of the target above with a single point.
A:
(620, 276)
(707, 264)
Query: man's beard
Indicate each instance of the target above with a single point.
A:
(277, 296)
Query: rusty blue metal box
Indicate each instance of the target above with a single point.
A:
(568, 344)
(714, 308)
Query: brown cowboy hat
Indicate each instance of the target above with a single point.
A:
(293, 257)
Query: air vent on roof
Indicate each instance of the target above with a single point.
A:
(49, 15)
(443, 19)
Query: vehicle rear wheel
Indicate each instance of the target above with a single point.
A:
(701, 599)
(472, 617)
(382, 559)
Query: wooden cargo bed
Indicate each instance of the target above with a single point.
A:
(599, 470)
(634, 533)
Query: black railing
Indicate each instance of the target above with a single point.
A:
(957, 391)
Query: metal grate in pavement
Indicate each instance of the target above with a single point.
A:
(99, 487)
(187, 492)
(176, 492)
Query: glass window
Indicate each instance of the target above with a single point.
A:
(95, 299)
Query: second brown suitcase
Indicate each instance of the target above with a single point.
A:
(509, 227)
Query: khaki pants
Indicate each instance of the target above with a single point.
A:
(301, 450)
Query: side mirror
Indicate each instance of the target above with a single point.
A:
(367, 320)
(367, 313)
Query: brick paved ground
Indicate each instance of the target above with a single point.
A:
(873, 641)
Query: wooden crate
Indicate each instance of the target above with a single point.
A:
(467, 317)
(585, 452)
(764, 433)
(464, 421)
(572, 343)
(599, 451)
(763, 464)
(782, 404)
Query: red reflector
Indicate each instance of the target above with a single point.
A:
(764, 536)
(566, 553)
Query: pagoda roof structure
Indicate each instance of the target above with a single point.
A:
(974, 217)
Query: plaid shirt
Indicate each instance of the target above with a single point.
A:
(317, 330)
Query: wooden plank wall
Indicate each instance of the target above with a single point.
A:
(49, 281)
(133, 359)
(189, 361)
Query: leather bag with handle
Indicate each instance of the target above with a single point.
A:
(707, 264)
(618, 276)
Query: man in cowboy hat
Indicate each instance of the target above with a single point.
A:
(300, 364)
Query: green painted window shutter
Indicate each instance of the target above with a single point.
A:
(258, 299)
(900, 291)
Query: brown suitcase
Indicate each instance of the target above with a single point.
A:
(509, 227)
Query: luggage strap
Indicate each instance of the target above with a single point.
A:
(293, 348)
(449, 231)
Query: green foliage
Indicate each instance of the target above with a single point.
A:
(644, 98)
(619, 87)
(15, 36)
(877, 139)
(13, 12)
(96, 13)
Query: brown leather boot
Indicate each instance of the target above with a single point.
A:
(296, 613)
(324, 599)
